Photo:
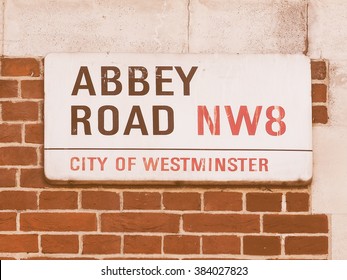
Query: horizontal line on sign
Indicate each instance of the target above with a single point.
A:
(174, 149)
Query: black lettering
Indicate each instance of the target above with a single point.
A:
(136, 112)
(170, 120)
(105, 80)
(142, 80)
(84, 120)
(159, 80)
(84, 72)
(186, 79)
(114, 121)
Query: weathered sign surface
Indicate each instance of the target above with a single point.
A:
(174, 118)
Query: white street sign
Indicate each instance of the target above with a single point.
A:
(178, 118)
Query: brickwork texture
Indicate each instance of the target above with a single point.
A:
(43, 221)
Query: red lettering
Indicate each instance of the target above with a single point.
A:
(91, 160)
(120, 164)
(203, 114)
(278, 120)
(232, 163)
(164, 164)
(150, 163)
(74, 160)
(198, 165)
(102, 163)
(263, 162)
(185, 162)
(242, 163)
(252, 164)
(87, 163)
(131, 163)
(243, 114)
(175, 164)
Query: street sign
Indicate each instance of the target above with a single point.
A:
(178, 118)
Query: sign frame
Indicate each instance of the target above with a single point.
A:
(54, 78)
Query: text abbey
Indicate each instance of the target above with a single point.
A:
(163, 116)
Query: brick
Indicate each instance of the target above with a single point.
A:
(32, 89)
(18, 200)
(221, 223)
(306, 245)
(20, 67)
(58, 200)
(295, 223)
(223, 201)
(59, 243)
(181, 201)
(34, 133)
(7, 221)
(33, 178)
(41, 153)
(264, 202)
(319, 93)
(262, 245)
(10, 133)
(223, 244)
(17, 243)
(18, 156)
(320, 114)
(101, 244)
(142, 200)
(7, 177)
(137, 244)
(100, 200)
(8, 88)
(297, 202)
(58, 222)
(318, 70)
(139, 222)
(41, 111)
(181, 244)
(58, 258)
(20, 111)
(137, 258)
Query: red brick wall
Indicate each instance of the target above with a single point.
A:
(39, 220)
